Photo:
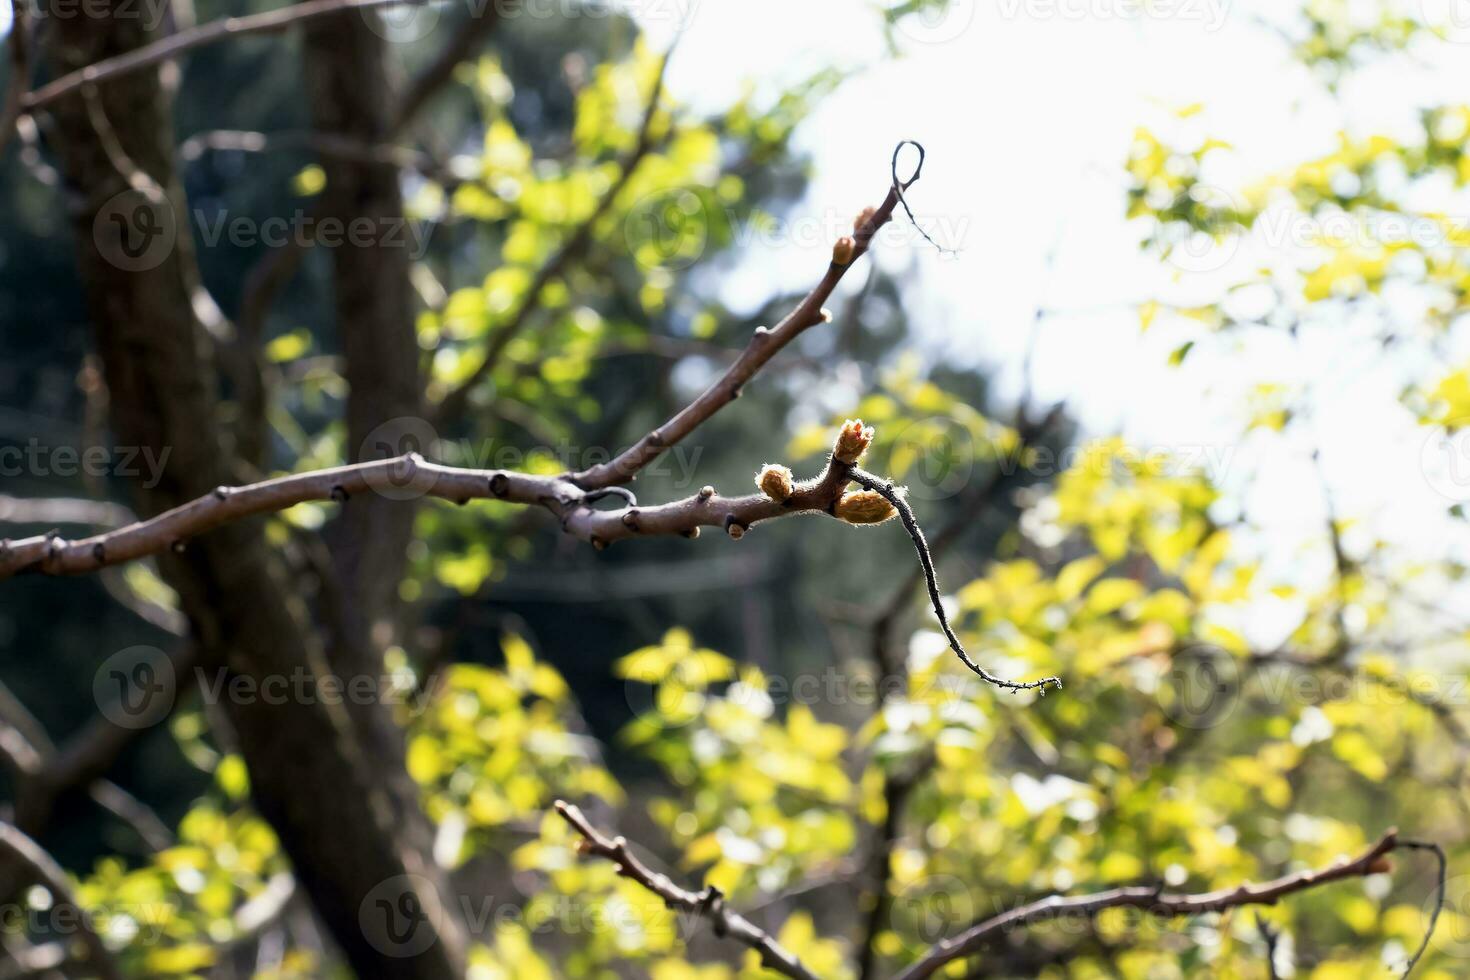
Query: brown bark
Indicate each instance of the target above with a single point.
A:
(346, 69)
(309, 774)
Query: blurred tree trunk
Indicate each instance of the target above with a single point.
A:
(313, 776)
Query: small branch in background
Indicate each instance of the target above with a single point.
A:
(453, 404)
(1154, 901)
(186, 40)
(886, 489)
(461, 47)
(43, 870)
(19, 45)
(708, 904)
(322, 144)
(1439, 900)
(897, 788)
(1272, 937)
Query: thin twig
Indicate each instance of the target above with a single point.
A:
(20, 69)
(1444, 866)
(900, 186)
(911, 524)
(426, 84)
(709, 903)
(1150, 900)
(764, 345)
(45, 871)
(1272, 937)
(195, 37)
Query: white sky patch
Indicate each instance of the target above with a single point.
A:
(1027, 110)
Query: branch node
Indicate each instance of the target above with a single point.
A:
(177, 546)
(734, 528)
(706, 492)
(339, 493)
(630, 519)
(221, 492)
(99, 553)
(691, 533)
(499, 485)
(598, 543)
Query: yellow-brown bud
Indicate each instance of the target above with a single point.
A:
(852, 442)
(863, 217)
(843, 251)
(864, 507)
(775, 482)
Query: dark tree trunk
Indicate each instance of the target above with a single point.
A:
(319, 783)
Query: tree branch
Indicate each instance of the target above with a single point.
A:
(45, 871)
(20, 68)
(708, 904)
(762, 347)
(911, 524)
(1155, 902)
(196, 37)
(427, 83)
(410, 477)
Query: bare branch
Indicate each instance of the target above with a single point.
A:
(1443, 874)
(911, 524)
(195, 37)
(427, 83)
(454, 402)
(1272, 937)
(334, 145)
(44, 870)
(762, 347)
(1152, 901)
(20, 68)
(709, 903)
(410, 477)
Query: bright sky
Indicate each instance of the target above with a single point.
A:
(1027, 109)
